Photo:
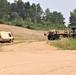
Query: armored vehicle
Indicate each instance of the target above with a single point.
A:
(6, 37)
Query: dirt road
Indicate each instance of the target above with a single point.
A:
(36, 58)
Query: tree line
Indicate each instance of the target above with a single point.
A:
(32, 16)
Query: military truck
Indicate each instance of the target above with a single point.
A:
(56, 34)
(6, 37)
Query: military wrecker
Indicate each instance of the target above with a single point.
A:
(57, 34)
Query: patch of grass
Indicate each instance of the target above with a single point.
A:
(18, 40)
(66, 44)
(30, 38)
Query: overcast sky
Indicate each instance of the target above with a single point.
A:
(63, 6)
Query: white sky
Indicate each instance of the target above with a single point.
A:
(63, 6)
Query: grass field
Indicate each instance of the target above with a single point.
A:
(65, 44)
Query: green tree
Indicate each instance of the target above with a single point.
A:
(33, 13)
(20, 8)
(36, 13)
(27, 9)
(14, 7)
(14, 16)
(73, 18)
(47, 15)
(39, 13)
(57, 17)
(4, 8)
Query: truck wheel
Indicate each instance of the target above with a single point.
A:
(49, 37)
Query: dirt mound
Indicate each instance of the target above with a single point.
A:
(22, 32)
